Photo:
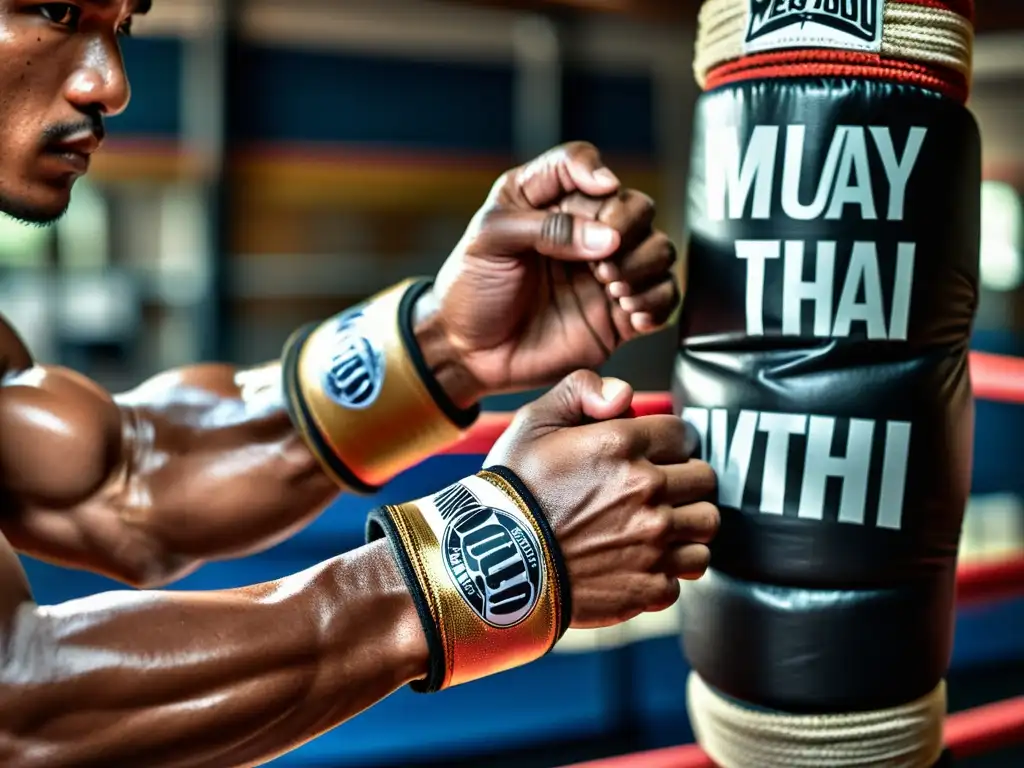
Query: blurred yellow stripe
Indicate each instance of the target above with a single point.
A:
(333, 177)
(354, 180)
(153, 160)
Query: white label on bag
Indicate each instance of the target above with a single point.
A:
(854, 25)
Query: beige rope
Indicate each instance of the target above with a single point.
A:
(909, 32)
(909, 736)
(721, 26)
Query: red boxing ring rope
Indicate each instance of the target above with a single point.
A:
(997, 378)
(988, 582)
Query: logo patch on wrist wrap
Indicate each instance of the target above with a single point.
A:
(355, 373)
(492, 558)
(484, 572)
(849, 24)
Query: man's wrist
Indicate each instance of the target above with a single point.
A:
(365, 397)
(441, 356)
(410, 642)
(472, 631)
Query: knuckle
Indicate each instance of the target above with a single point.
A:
(637, 208)
(668, 248)
(703, 473)
(615, 212)
(673, 426)
(576, 148)
(616, 439)
(656, 529)
(487, 217)
(522, 419)
(504, 181)
(709, 518)
(667, 428)
(578, 380)
(645, 557)
(665, 593)
(648, 482)
(645, 203)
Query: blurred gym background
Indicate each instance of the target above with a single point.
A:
(282, 159)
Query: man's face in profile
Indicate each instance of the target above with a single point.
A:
(61, 74)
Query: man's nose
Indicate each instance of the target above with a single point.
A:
(100, 82)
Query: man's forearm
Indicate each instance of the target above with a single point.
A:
(206, 679)
(197, 464)
(255, 473)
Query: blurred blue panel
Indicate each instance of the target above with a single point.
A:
(295, 96)
(615, 112)
(559, 697)
(998, 427)
(998, 449)
(989, 634)
(154, 69)
(998, 342)
(659, 694)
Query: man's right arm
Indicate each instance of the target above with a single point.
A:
(216, 679)
(577, 524)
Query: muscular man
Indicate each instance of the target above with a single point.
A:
(582, 518)
(834, 208)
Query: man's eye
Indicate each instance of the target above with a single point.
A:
(64, 14)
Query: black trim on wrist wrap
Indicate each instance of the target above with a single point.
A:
(460, 417)
(379, 525)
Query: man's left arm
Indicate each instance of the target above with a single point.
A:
(559, 268)
(197, 464)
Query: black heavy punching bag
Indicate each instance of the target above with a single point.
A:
(833, 270)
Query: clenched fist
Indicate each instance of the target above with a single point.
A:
(632, 512)
(558, 269)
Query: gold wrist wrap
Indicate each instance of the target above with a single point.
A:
(356, 396)
(486, 575)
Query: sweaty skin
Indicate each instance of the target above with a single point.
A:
(202, 463)
(196, 464)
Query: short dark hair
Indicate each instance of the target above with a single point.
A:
(143, 6)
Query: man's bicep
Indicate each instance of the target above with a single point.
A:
(60, 439)
(61, 461)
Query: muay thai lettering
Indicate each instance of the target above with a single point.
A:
(807, 449)
(882, 313)
(491, 557)
(741, 182)
(860, 19)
